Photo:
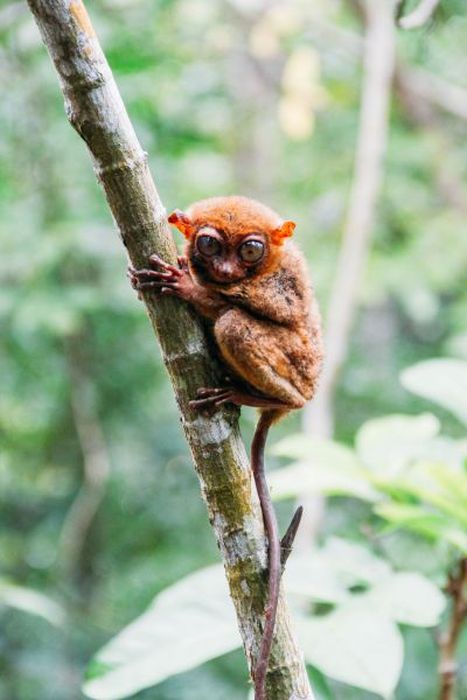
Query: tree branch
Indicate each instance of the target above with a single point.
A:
(95, 461)
(95, 109)
(420, 16)
(368, 171)
(379, 61)
(457, 590)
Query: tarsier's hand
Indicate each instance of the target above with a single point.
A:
(164, 278)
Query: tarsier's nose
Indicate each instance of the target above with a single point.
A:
(226, 269)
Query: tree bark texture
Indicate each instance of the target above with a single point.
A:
(95, 109)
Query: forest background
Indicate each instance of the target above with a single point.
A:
(99, 505)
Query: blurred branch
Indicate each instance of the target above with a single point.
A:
(96, 463)
(429, 87)
(378, 60)
(421, 112)
(365, 189)
(95, 109)
(10, 14)
(457, 590)
(419, 17)
(425, 86)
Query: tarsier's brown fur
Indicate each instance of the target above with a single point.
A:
(266, 326)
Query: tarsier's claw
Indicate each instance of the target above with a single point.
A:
(171, 270)
(205, 392)
(182, 262)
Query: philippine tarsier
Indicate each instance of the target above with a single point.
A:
(252, 286)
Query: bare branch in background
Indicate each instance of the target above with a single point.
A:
(95, 460)
(378, 65)
(368, 173)
(420, 16)
(429, 87)
(95, 109)
(11, 13)
(457, 591)
(423, 114)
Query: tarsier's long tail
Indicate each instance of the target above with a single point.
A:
(275, 558)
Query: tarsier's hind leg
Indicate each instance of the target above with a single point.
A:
(255, 351)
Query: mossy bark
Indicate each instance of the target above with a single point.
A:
(95, 109)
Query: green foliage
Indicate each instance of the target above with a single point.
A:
(416, 477)
(348, 603)
(205, 96)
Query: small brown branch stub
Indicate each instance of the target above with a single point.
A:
(456, 589)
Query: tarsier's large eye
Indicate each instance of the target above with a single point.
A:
(251, 251)
(208, 245)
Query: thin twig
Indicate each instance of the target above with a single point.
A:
(457, 590)
(95, 461)
(379, 61)
(420, 16)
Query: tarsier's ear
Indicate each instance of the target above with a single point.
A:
(183, 222)
(285, 230)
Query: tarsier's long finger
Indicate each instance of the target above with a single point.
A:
(156, 260)
(153, 274)
(204, 392)
(151, 285)
(225, 398)
(182, 262)
(208, 402)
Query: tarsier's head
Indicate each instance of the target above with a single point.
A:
(231, 238)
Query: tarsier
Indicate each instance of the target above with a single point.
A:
(241, 274)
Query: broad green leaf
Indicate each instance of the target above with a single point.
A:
(319, 684)
(302, 478)
(323, 466)
(316, 451)
(432, 484)
(310, 575)
(443, 381)
(430, 524)
(188, 624)
(354, 563)
(452, 483)
(327, 574)
(406, 597)
(31, 601)
(386, 445)
(358, 647)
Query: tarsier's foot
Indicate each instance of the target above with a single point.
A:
(212, 397)
(217, 396)
(161, 277)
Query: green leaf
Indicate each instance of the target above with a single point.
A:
(187, 624)
(386, 445)
(443, 381)
(315, 450)
(358, 647)
(319, 685)
(323, 467)
(32, 602)
(418, 519)
(310, 575)
(327, 574)
(406, 597)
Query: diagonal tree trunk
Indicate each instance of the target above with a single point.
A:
(95, 109)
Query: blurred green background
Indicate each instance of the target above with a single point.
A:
(99, 505)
